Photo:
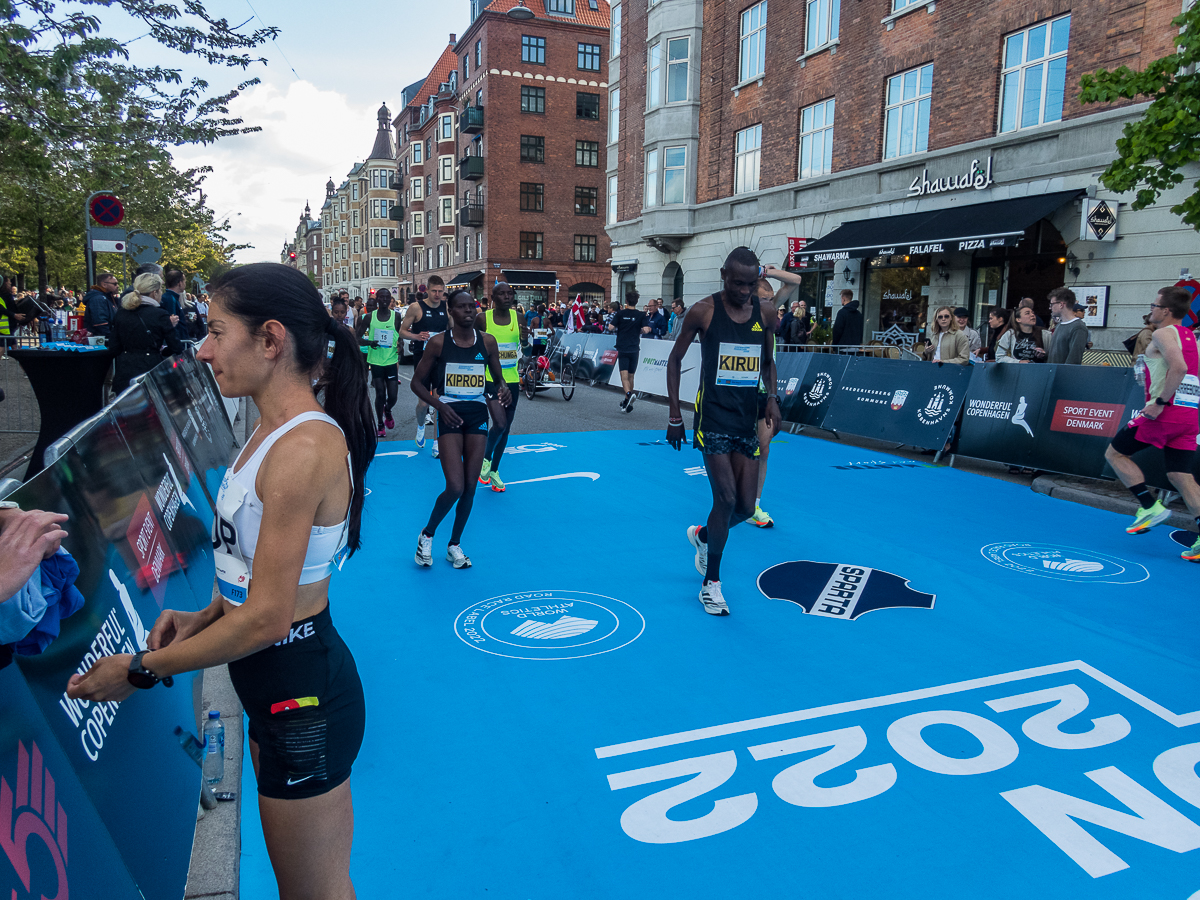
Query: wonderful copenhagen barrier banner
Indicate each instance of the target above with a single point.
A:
(98, 799)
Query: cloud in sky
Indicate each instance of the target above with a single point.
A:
(261, 181)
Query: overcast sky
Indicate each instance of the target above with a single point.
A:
(316, 122)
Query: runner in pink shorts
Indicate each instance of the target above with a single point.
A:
(1169, 421)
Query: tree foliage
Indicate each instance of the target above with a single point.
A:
(1153, 149)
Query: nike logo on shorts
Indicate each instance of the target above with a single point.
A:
(292, 781)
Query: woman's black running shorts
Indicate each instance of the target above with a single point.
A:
(306, 709)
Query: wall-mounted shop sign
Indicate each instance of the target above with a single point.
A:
(977, 177)
(795, 245)
(1099, 220)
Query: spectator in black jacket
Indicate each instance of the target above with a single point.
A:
(101, 304)
(172, 302)
(848, 326)
(139, 330)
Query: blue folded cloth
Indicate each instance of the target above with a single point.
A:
(55, 581)
(22, 611)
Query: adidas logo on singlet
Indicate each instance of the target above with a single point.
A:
(479, 356)
(756, 327)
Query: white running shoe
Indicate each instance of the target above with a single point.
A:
(420, 437)
(712, 601)
(424, 555)
(629, 405)
(435, 451)
(429, 417)
(693, 536)
(454, 554)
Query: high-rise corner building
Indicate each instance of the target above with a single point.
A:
(918, 152)
(502, 153)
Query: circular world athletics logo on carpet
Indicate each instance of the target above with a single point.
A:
(549, 624)
(1064, 563)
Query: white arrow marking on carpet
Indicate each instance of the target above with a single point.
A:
(591, 475)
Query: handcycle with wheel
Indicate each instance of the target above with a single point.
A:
(541, 372)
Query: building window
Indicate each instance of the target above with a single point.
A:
(614, 115)
(479, 245)
(753, 42)
(429, 148)
(355, 242)
(533, 100)
(354, 191)
(441, 250)
(478, 53)
(589, 57)
(585, 248)
(429, 185)
(675, 175)
(343, 203)
(416, 153)
(650, 194)
(479, 97)
(561, 7)
(816, 139)
(445, 169)
(1034, 77)
(612, 200)
(587, 106)
(447, 210)
(429, 222)
(898, 5)
(357, 271)
(466, 68)
(822, 23)
(676, 83)
(417, 223)
(447, 128)
(587, 153)
(466, 248)
(906, 126)
(533, 49)
(418, 186)
(531, 245)
(533, 148)
(654, 76)
(585, 201)
(532, 196)
(615, 32)
(354, 215)
(746, 159)
(343, 227)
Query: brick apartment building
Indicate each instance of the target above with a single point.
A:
(360, 242)
(501, 152)
(929, 152)
(303, 251)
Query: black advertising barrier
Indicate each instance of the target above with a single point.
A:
(99, 797)
(1002, 413)
(907, 402)
(819, 375)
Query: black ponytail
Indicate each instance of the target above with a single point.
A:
(259, 292)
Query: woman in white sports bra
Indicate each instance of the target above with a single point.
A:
(287, 515)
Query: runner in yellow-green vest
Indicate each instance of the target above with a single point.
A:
(382, 338)
(505, 325)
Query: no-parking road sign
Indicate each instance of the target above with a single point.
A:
(106, 209)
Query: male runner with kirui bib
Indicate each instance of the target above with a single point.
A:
(457, 360)
(1169, 421)
(504, 324)
(736, 350)
(422, 320)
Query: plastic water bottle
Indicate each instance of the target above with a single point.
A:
(191, 745)
(214, 748)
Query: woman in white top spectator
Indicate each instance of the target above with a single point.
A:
(947, 343)
(1024, 342)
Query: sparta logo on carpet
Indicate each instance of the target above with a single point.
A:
(840, 590)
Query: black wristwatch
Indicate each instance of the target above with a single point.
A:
(141, 677)
(1160, 401)
(774, 397)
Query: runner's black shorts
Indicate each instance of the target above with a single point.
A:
(305, 704)
(627, 360)
(474, 417)
(1176, 459)
(720, 444)
(385, 372)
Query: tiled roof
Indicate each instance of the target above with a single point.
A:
(584, 14)
(439, 74)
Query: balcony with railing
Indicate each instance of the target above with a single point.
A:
(470, 168)
(471, 120)
(396, 213)
(471, 215)
(396, 244)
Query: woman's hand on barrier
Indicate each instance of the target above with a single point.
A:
(172, 626)
(107, 679)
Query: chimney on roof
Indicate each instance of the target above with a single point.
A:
(453, 38)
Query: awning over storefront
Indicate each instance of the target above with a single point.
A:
(978, 226)
(529, 278)
(624, 265)
(463, 279)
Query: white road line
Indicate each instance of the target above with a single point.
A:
(591, 475)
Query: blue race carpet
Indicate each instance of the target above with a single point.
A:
(564, 721)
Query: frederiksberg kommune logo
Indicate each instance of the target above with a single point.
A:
(549, 624)
(1064, 563)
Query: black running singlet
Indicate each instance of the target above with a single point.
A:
(731, 364)
(462, 371)
(433, 319)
